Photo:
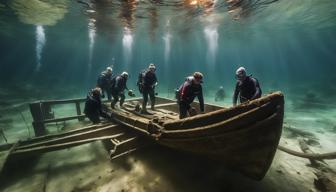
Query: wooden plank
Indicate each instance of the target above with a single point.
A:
(3, 158)
(79, 112)
(6, 146)
(63, 101)
(156, 106)
(4, 155)
(112, 129)
(44, 149)
(38, 117)
(63, 119)
(57, 135)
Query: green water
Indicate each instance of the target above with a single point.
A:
(56, 50)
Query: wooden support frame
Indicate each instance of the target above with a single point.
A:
(41, 113)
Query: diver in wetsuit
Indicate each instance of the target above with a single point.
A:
(220, 94)
(93, 107)
(187, 92)
(118, 89)
(147, 82)
(247, 87)
(104, 82)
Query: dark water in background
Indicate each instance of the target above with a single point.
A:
(56, 49)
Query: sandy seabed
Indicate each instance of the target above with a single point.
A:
(155, 168)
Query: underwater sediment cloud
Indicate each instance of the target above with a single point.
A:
(39, 12)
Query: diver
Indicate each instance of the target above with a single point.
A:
(93, 107)
(118, 89)
(146, 82)
(247, 87)
(220, 94)
(187, 92)
(104, 82)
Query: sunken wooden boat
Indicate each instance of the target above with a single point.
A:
(244, 138)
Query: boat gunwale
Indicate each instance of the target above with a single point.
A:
(257, 102)
(218, 124)
(228, 120)
(219, 134)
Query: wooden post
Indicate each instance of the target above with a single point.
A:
(80, 118)
(47, 112)
(37, 114)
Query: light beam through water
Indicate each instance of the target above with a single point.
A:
(166, 38)
(127, 42)
(92, 35)
(211, 36)
(40, 42)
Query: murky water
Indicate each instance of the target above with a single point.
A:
(52, 49)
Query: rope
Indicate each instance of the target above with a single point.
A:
(314, 156)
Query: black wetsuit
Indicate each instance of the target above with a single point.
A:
(249, 89)
(187, 93)
(118, 89)
(220, 94)
(149, 81)
(93, 108)
(104, 82)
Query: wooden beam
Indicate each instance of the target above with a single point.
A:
(63, 134)
(108, 130)
(5, 156)
(63, 101)
(60, 146)
(63, 119)
(38, 117)
(79, 112)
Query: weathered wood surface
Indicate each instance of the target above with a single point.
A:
(4, 155)
(60, 141)
(243, 137)
(92, 133)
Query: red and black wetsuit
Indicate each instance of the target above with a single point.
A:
(249, 89)
(187, 93)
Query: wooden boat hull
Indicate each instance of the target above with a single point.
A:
(244, 138)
